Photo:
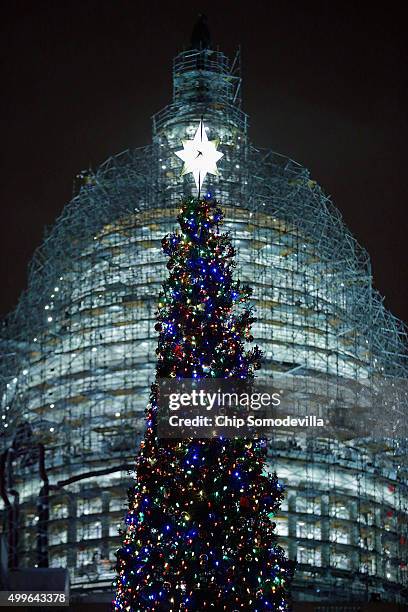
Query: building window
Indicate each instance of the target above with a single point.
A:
(87, 556)
(339, 534)
(114, 529)
(31, 519)
(366, 540)
(281, 526)
(58, 537)
(284, 505)
(311, 531)
(339, 510)
(92, 505)
(367, 517)
(58, 511)
(116, 504)
(389, 520)
(309, 505)
(340, 560)
(390, 571)
(90, 531)
(58, 561)
(368, 565)
(311, 556)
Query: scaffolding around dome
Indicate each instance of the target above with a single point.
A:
(78, 353)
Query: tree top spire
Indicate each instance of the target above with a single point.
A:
(200, 37)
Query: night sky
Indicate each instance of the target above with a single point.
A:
(324, 83)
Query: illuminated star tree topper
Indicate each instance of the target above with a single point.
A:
(200, 156)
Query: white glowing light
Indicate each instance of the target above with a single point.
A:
(200, 156)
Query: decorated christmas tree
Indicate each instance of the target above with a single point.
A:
(199, 530)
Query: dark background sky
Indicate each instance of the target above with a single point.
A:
(324, 83)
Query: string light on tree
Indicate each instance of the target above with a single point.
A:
(199, 533)
(200, 156)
